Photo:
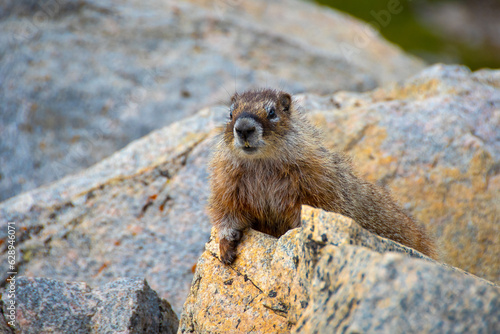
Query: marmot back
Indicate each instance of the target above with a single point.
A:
(270, 161)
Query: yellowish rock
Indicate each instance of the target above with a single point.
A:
(267, 288)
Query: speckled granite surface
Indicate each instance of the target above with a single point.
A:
(432, 140)
(128, 305)
(332, 276)
(83, 78)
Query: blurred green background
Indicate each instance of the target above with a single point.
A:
(465, 32)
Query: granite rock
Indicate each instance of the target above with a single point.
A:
(83, 78)
(432, 140)
(45, 305)
(331, 275)
(355, 290)
(228, 299)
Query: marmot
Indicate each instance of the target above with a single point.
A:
(270, 160)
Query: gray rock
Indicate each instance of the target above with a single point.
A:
(81, 79)
(25, 8)
(45, 304)
(125, 306)
(357, 291)
(4, 327)
(143, 209)
(131, 306)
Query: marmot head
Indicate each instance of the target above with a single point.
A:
(258, 121)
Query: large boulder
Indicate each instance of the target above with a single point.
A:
(44, 305)
(329, 276)
(82, 78)
(432, 140)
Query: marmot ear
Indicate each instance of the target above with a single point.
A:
(285, 101)
(234, 97)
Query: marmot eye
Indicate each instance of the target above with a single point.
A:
(230, 114)
(271, 112)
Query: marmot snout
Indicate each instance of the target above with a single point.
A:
(248, 134)
(270, 160)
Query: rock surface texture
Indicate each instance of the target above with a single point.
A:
(332, 276)
(123, 306)
(433, 140)
(80, 78)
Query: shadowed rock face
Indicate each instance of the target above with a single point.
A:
(432, 140)
(332, 276)
(81, 79)
(45, 305)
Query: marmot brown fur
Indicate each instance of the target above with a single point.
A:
(270, 160)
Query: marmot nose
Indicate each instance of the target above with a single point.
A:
(244, 130)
